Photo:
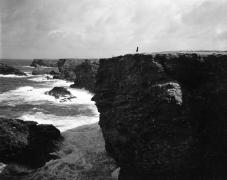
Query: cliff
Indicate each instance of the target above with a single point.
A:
(44, 62)
(163, 116)
(81, 71)
(45, 70)
(6, 70)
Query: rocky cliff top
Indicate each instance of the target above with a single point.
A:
(163, 115)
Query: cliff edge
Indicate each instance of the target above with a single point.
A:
(163, 115)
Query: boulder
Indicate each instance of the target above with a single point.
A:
(27, 143)
(58, 92)
(163, 115)
(6, 70)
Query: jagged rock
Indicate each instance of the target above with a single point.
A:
(163, 116)
(81, 71)
(26, 142)
(66, 68)
(61, 92)
(39, 70)
(44, 62)
(85, 75)
(6, 70)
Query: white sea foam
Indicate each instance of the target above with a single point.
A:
(11, 76)
(35, 96)
(63, 123)
(29, 67)
(2, 167)
(49, 81)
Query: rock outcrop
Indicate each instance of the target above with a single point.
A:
(61, 93)
(81, 71)
(58, 92)
(163, 116)
(39, 70)
(6, 70)
(44, 62)
(85, 75)
(26, 142)
(82, 156)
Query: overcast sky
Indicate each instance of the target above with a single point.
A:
(105, 28)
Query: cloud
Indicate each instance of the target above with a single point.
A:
(103, 28)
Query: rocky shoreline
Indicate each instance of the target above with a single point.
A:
(9, 70)
(80, 71)
(162, 117)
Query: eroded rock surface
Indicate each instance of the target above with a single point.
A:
(85, 75)
(44, 62)
(39, 70)
(163, 116)
(6, 70)
(81, 71)
(27, 143)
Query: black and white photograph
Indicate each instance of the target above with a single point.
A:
(113, 89)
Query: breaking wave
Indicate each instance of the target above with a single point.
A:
(63, 123)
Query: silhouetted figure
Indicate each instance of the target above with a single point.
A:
(137, 49)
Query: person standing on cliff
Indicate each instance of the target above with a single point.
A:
(137, 49)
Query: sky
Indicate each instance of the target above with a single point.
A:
(106, 28)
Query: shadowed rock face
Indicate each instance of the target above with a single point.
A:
(6, 70)
(85, 75)
(45, 70)
(163, 116)
(44, 62)
(81, 71)
(27, 143)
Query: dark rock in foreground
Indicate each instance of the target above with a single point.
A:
(82, 156)
(44, 62)
(6, 70)
(27, 143)
(163, 116)
(39, 70)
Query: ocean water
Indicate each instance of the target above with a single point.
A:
(24, 98)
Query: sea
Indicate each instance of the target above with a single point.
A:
(23, 97)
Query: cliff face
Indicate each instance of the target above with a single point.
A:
(6, 70)
(163, 116)
(85, 75)
(44, 70)
(81, 71)
(44, 62)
